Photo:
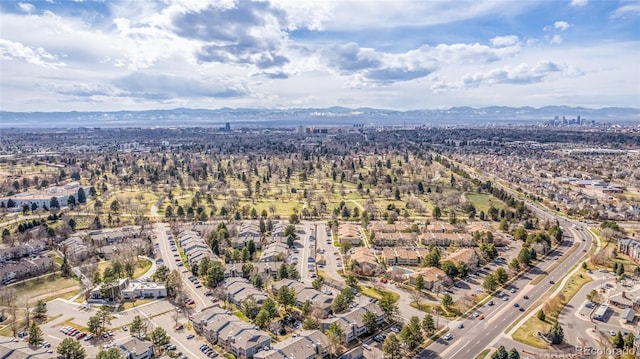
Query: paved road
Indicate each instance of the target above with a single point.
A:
(480, 334)
(160, 229)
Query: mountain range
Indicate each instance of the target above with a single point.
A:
(332, 116)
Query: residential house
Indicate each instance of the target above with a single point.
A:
(275, 251)
(25, 268)
(396, 239)
(445, 239)
(136, 348)
(403, 256)
(364, 261)
(303, 293)
(441, 227)
(237, 290)
(465, 255)
(352, 323)
(349, 232)
(434, 278)
(384, 227)
(226, 330)
(249, 231)
(630, 247)
(268, 269)
(194, 247)
(308, 344)
(30, 248)
(75, 249)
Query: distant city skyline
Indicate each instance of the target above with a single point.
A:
(63, 55)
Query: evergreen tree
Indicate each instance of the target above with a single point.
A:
(71, 349)
(556, 334)
(36, 337)
(82, 197)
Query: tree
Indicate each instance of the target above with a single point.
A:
(138, 327)
(524, 256)
(391, 347)
(286, 296)
(36, 337)
(270, 306)
(65, 268)
(432, 259)
(490, 282)
(263, 319)
(317, 283)
(629, 341)
(71, 201)
(411, 334)
(71, 349)
(94, 326)
(541, 315)
(450, 269)
(159, 337)
(618, 340)
(310, 324)
(282, 272)
(40, 311)
(215, 274)
(54, 203)
(419, 285)
(437, 212)
(351, 281)
(335, 334)
(556, 334)
(389, 307)
(82, 197)
(250, 307)
(115, 206)
(111, 353)
(620, 269)
(161, 274)
(501, 275)
(500, 353)
(513, 354)
(447, 301)
(370, 321)
(428, 325)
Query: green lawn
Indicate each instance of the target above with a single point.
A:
(483, 201)
(524, 334)
(44, 287)
(377, 293)
(483, 354)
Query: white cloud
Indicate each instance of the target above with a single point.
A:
(555, 40)
(501, 41)
(578, 3)
(35, 56)
(632, 9)
(26, 7)
(561, 25)
(521, 74)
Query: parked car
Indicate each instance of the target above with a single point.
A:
(447, 336)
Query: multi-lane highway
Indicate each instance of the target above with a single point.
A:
(476, 335)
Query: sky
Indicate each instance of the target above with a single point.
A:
(75, 55)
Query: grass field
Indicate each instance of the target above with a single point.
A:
(483, 201)
(483, 354)
(45, 287)
(377, 293)
(524, 334)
